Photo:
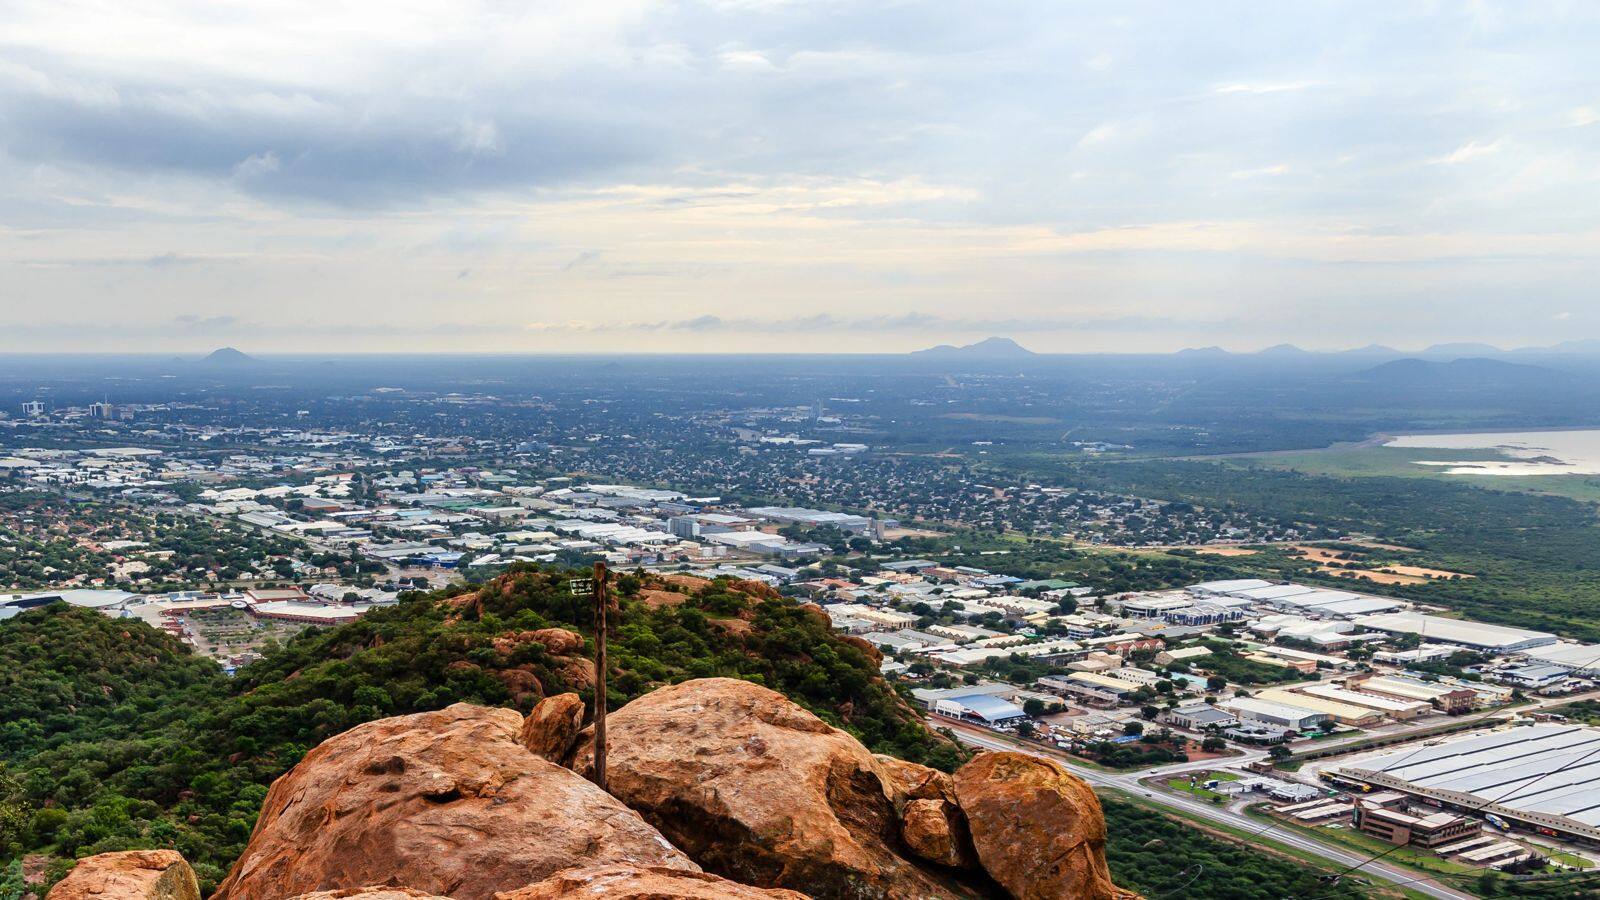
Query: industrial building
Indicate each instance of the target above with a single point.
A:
(1343, 713)
(1543, 777)
(1444, 697)
(1281, 715)
(1477, 635)
(1197, 717)
(1380, 815)
(1393, 707)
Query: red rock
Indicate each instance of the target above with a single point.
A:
(758, 790)
(634, 883)
(935, 831)
(1037, 828)
(447, 802)
(551, 729)
(372, 894)
(129, 875)
(559, 641)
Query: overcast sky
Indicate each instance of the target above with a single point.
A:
(766, 175)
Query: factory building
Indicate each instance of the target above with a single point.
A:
(1498, 639)
(1280, 715)
(1541, 777)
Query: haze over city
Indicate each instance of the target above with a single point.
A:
(771, 176)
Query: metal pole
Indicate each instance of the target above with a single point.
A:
(601, 623)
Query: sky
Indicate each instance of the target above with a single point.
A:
(810, 176)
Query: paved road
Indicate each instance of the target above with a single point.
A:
(1129, 783)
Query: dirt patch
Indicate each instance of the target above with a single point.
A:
(1323, 554)
(1373, 575)
(894, 534)
(659, 599)
(734, 626)
(692, 582)
(1226, 551)
(1421, 572)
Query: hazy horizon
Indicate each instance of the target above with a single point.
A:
(772, 177)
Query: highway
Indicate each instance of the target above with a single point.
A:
(1130, 783)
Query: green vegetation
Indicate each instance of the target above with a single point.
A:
(1544, 551)
(1197, 786)
(1160, 856)
(1404, 462)
(1226, 661)
(52, 540)
(115, 737)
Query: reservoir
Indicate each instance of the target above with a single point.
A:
(1574, 452)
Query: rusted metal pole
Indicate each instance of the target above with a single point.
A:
(601, 626)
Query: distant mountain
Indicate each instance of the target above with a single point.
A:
(1203, 353)
(1461, 351)
(989, 348)
(1372, 350)
(1588, 347)
(1283, 350)
(227, 356)
(1463, 373)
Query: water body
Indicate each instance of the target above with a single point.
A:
(1527, 452)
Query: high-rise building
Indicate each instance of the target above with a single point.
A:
(102, 411)
(33, 409)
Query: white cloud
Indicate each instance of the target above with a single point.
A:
(1469, 151)
(664, 160)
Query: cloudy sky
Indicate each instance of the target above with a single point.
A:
(814, 175)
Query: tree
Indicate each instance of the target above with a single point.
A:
(1149, 712)
(1213, 744)
(1279, 753)
(1133, 728)
(1025, 729)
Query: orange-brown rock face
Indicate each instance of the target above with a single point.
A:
(1037, 828)
(758, 790)
(551, 729)
(934, 830)
(130, 875)
(635, 883)
(446, 802)
(372, 894)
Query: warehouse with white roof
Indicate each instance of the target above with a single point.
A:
(1541, 776)
(1477, 635)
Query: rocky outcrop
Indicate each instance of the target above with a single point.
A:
(634, 883)
(551, 729)
(372, 894)
(129, 875)
(757, 789)
(470, 803)
(1037, 828)
(935, 831)
(447, 802)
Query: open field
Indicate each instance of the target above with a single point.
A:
(1376, 576)
(1421, 572)
(1226, 551)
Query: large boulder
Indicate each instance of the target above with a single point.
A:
(447, 802)
(372, 894)
(635, 883)
(758, 790)
(129, 875)
(1037, 828)
(551, 729)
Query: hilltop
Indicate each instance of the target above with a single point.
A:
(228, 356)
(989, 348)
(166, 752)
